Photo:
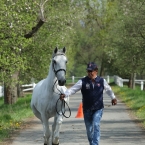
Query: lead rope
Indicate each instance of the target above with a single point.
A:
(62, 104)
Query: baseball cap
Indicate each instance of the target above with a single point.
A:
(91, 66)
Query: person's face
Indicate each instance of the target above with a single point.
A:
(92, 74)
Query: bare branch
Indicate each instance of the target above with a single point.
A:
(34, 29)
(142, 4)
(40, 22)
(41, 6)
(99, 23)
(142, 35)
(44, 3)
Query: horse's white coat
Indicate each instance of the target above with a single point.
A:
(45, 96)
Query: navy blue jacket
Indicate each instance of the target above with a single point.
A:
(92, 97)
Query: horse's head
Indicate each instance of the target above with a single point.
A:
(59, 65)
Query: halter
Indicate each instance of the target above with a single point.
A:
(60, 93)
(56, 71)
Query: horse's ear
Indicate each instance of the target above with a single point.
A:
(64, 49)
(55, 50)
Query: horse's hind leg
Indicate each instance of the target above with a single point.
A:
(46, 131)
(56, 128)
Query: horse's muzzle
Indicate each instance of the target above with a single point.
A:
(61, 82)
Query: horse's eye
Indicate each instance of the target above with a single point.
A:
(66, 61)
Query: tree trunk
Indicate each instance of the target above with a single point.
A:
(133, 80)
(7, 95)
(10, 90)
(10, 94)
(130, 82)
(19, 91)
(102, 68)
(144, 87)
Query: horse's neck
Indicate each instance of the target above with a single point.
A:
(51, 78)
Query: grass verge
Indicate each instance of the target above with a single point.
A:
(134, 99)
(12, 116)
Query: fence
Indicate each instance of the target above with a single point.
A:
(31, 87)
(71, 80)
(27, 87)
(119, 81)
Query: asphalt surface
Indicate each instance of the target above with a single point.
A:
(117, 127)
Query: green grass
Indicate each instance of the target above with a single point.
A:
(134, 99)
(12, 116)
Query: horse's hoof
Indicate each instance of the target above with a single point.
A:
(45, 144)
(55, 144)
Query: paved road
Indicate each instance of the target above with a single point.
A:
(117, 128)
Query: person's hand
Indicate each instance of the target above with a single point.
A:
(62, 96)
(114, 101)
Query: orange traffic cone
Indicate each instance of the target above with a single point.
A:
(80, 112)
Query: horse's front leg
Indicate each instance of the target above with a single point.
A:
(56, 128)
(46, 130)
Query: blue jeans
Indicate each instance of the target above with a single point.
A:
(92, 121)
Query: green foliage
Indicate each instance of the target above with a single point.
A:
(14, 18)
(54, 33)
(31, 57)
(91, 39)
(112, 34)
(127, 42)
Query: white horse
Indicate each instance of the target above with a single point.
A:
(46, 94)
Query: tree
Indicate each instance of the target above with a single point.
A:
(12, 43)
(27, 58)
(127, 45)
(91, 40)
